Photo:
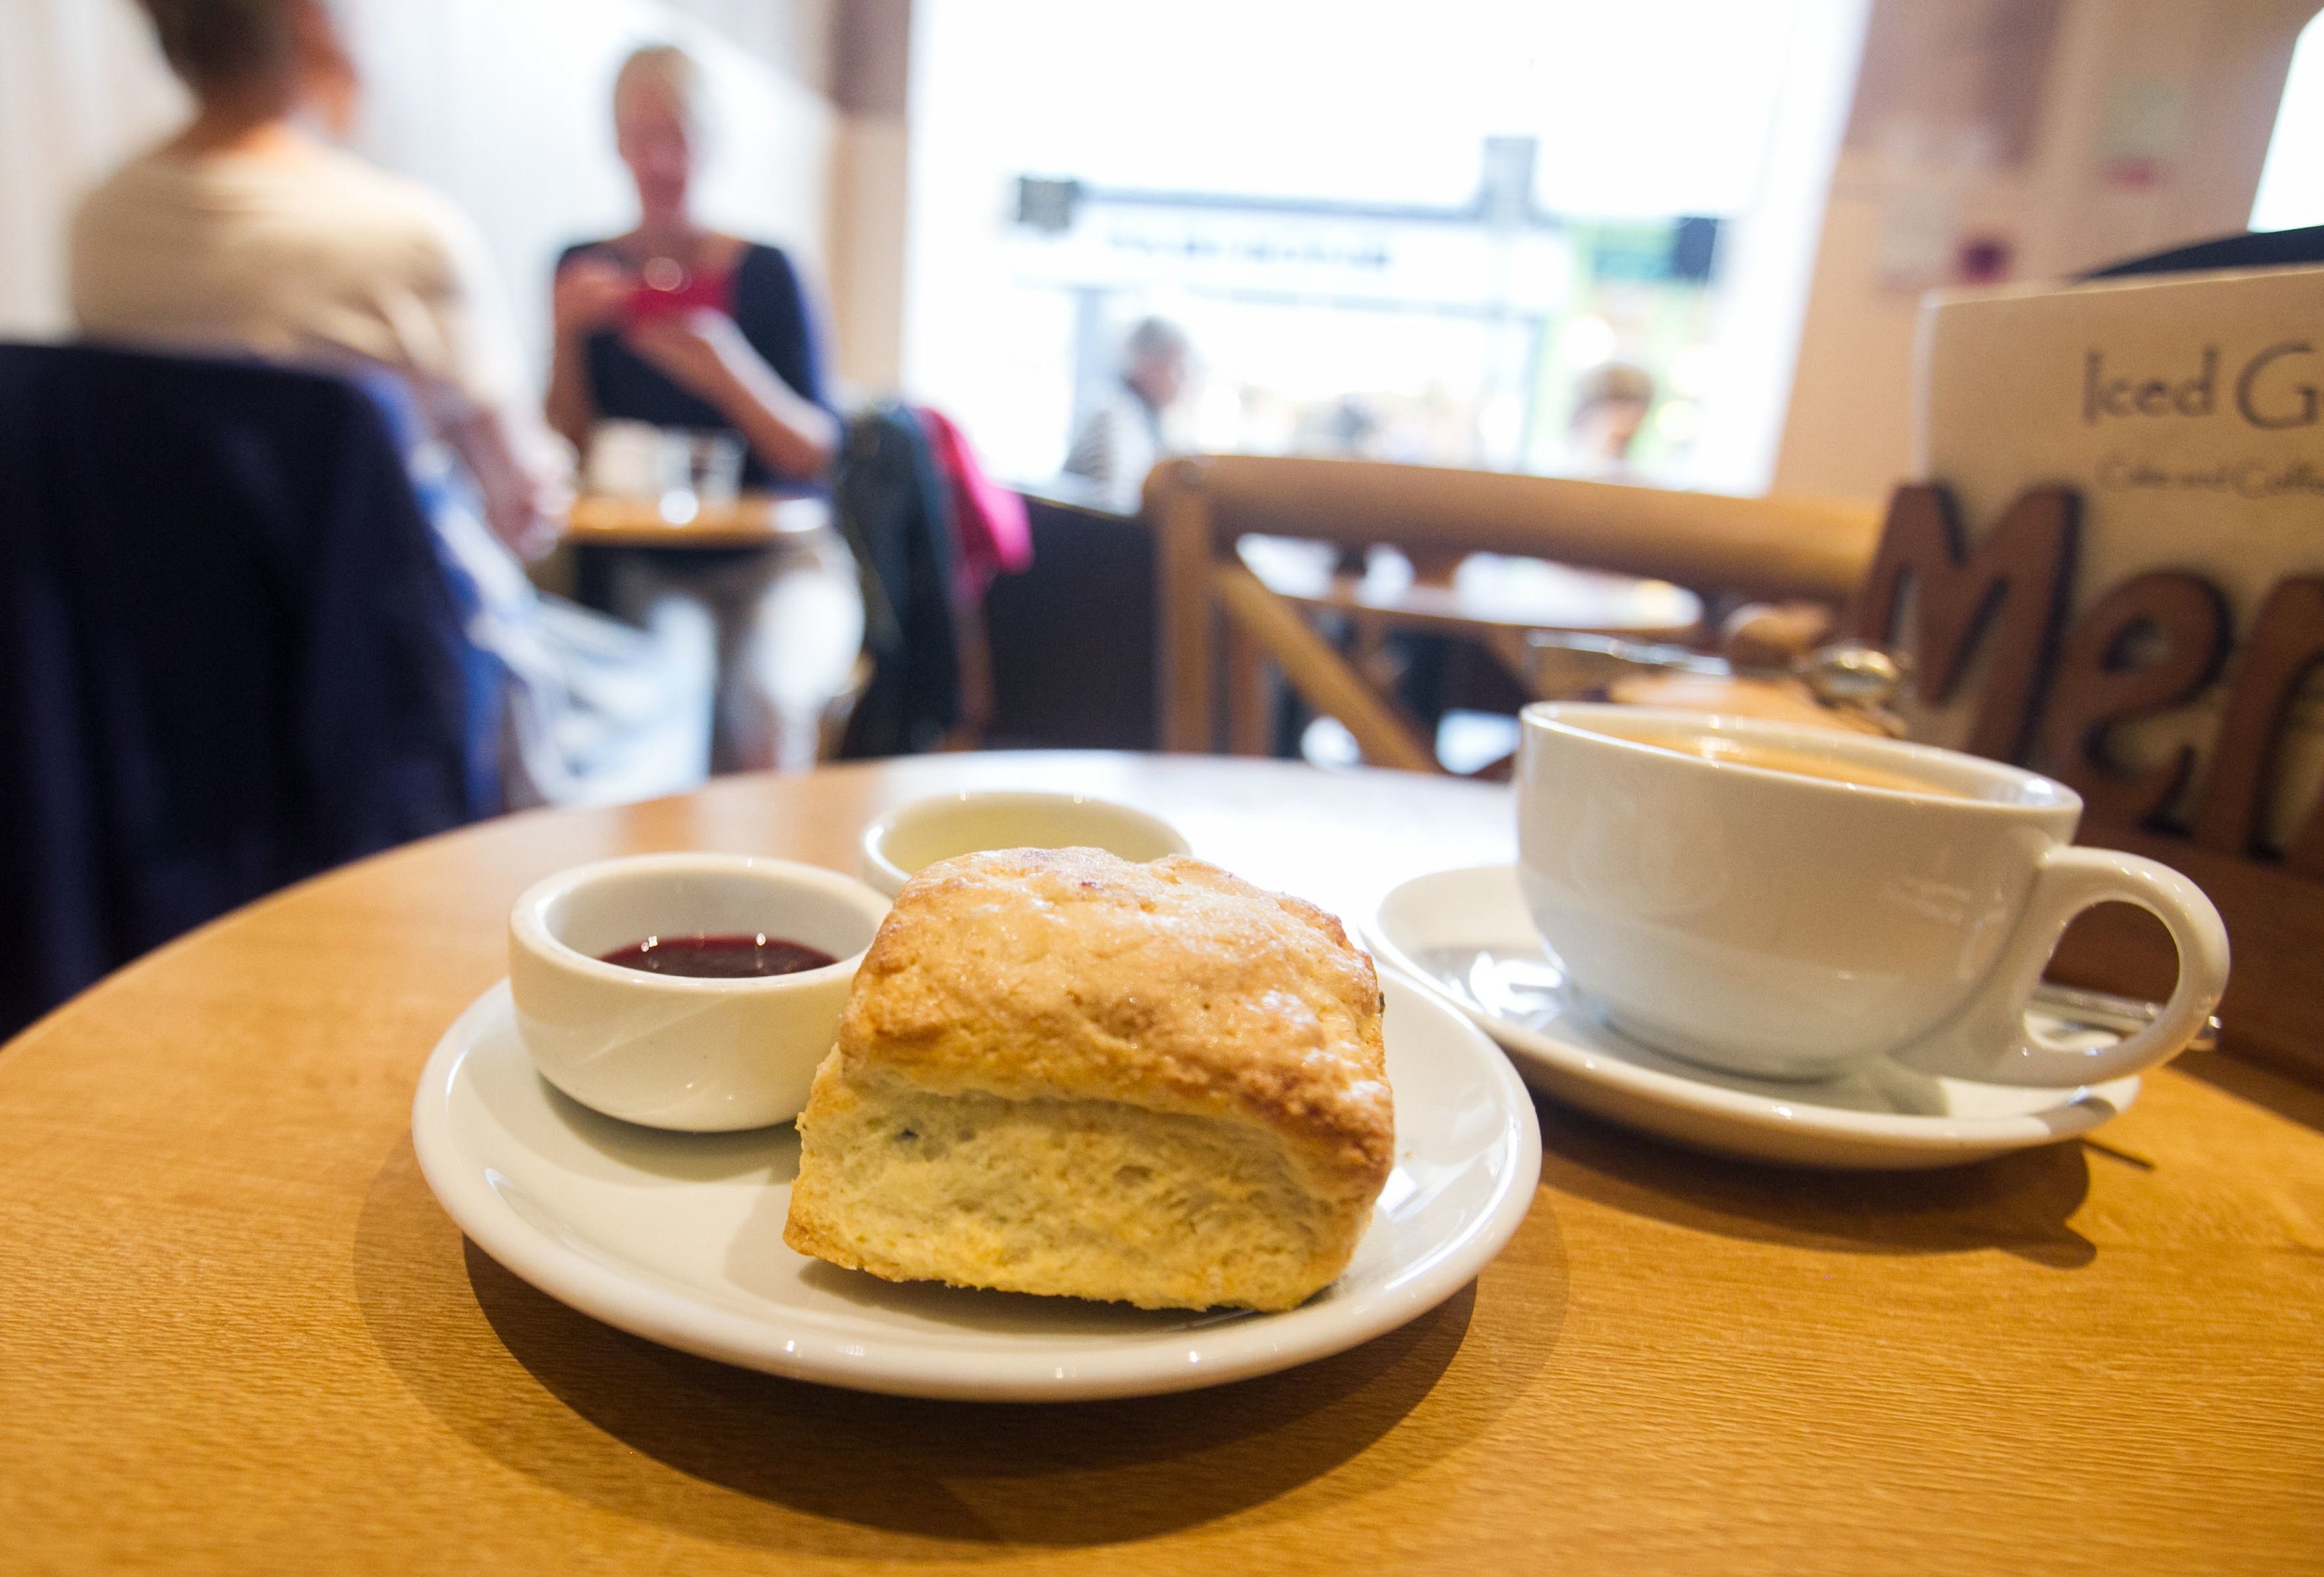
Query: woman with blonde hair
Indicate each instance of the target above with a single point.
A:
(680, 326)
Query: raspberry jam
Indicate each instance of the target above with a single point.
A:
(734, 957)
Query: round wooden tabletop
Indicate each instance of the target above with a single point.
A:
(237, 1333)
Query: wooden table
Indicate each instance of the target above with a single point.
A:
(237, 1334)
(791, 533)
(1491, 600)
(756, 519)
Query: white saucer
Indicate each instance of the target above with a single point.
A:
(1466, 936)
(678, 1238)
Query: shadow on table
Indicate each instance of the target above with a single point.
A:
(738, 1457)
(2247, 1081)
(982, 1473)
(2020, 1203)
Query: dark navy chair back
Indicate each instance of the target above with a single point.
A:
(229, 656)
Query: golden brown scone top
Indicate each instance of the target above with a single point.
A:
(1074, 973)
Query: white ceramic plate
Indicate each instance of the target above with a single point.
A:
(678, 1238)
(1466, 936)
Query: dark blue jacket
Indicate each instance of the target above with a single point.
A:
(229, 658)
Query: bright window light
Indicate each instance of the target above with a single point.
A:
(1391, 232)
(2292, 184)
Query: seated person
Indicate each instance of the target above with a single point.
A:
(1121, 438)
(680, 326)
(1611, 404)
(246, 235)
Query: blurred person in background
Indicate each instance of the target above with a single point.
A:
(248, 234)
(1121, 441)
(679, 325)
(683, 327)
(1610, 406)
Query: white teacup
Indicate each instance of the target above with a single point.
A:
(900, 843)
(680, 1051)
(1788, 902)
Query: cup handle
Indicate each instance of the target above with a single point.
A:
(2007, 1051)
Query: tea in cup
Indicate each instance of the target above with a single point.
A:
(1790, 901)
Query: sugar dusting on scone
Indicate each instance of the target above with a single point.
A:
(1063, 1073)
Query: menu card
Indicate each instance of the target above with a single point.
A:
(2187, 411)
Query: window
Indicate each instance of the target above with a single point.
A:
(2291, 182)
(1406, 233)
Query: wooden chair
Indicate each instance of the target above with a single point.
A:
(1718, 546)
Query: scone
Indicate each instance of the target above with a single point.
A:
(1063, 1073)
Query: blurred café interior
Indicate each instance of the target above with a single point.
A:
(415, 413)
(1035, 248)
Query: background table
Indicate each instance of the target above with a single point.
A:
(236, 1333)
(764, 580)
(756, 519)
(1490, 599)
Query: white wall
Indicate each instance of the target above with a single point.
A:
(501, 103)
(81, 89)
(2291, 186)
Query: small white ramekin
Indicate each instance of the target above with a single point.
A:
(900, 843)
(678, 1051)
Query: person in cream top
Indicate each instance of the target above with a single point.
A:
(248, 234)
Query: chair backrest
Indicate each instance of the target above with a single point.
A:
(1753, 547)
(1073, 637)
(229, 656)
(895, 513)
